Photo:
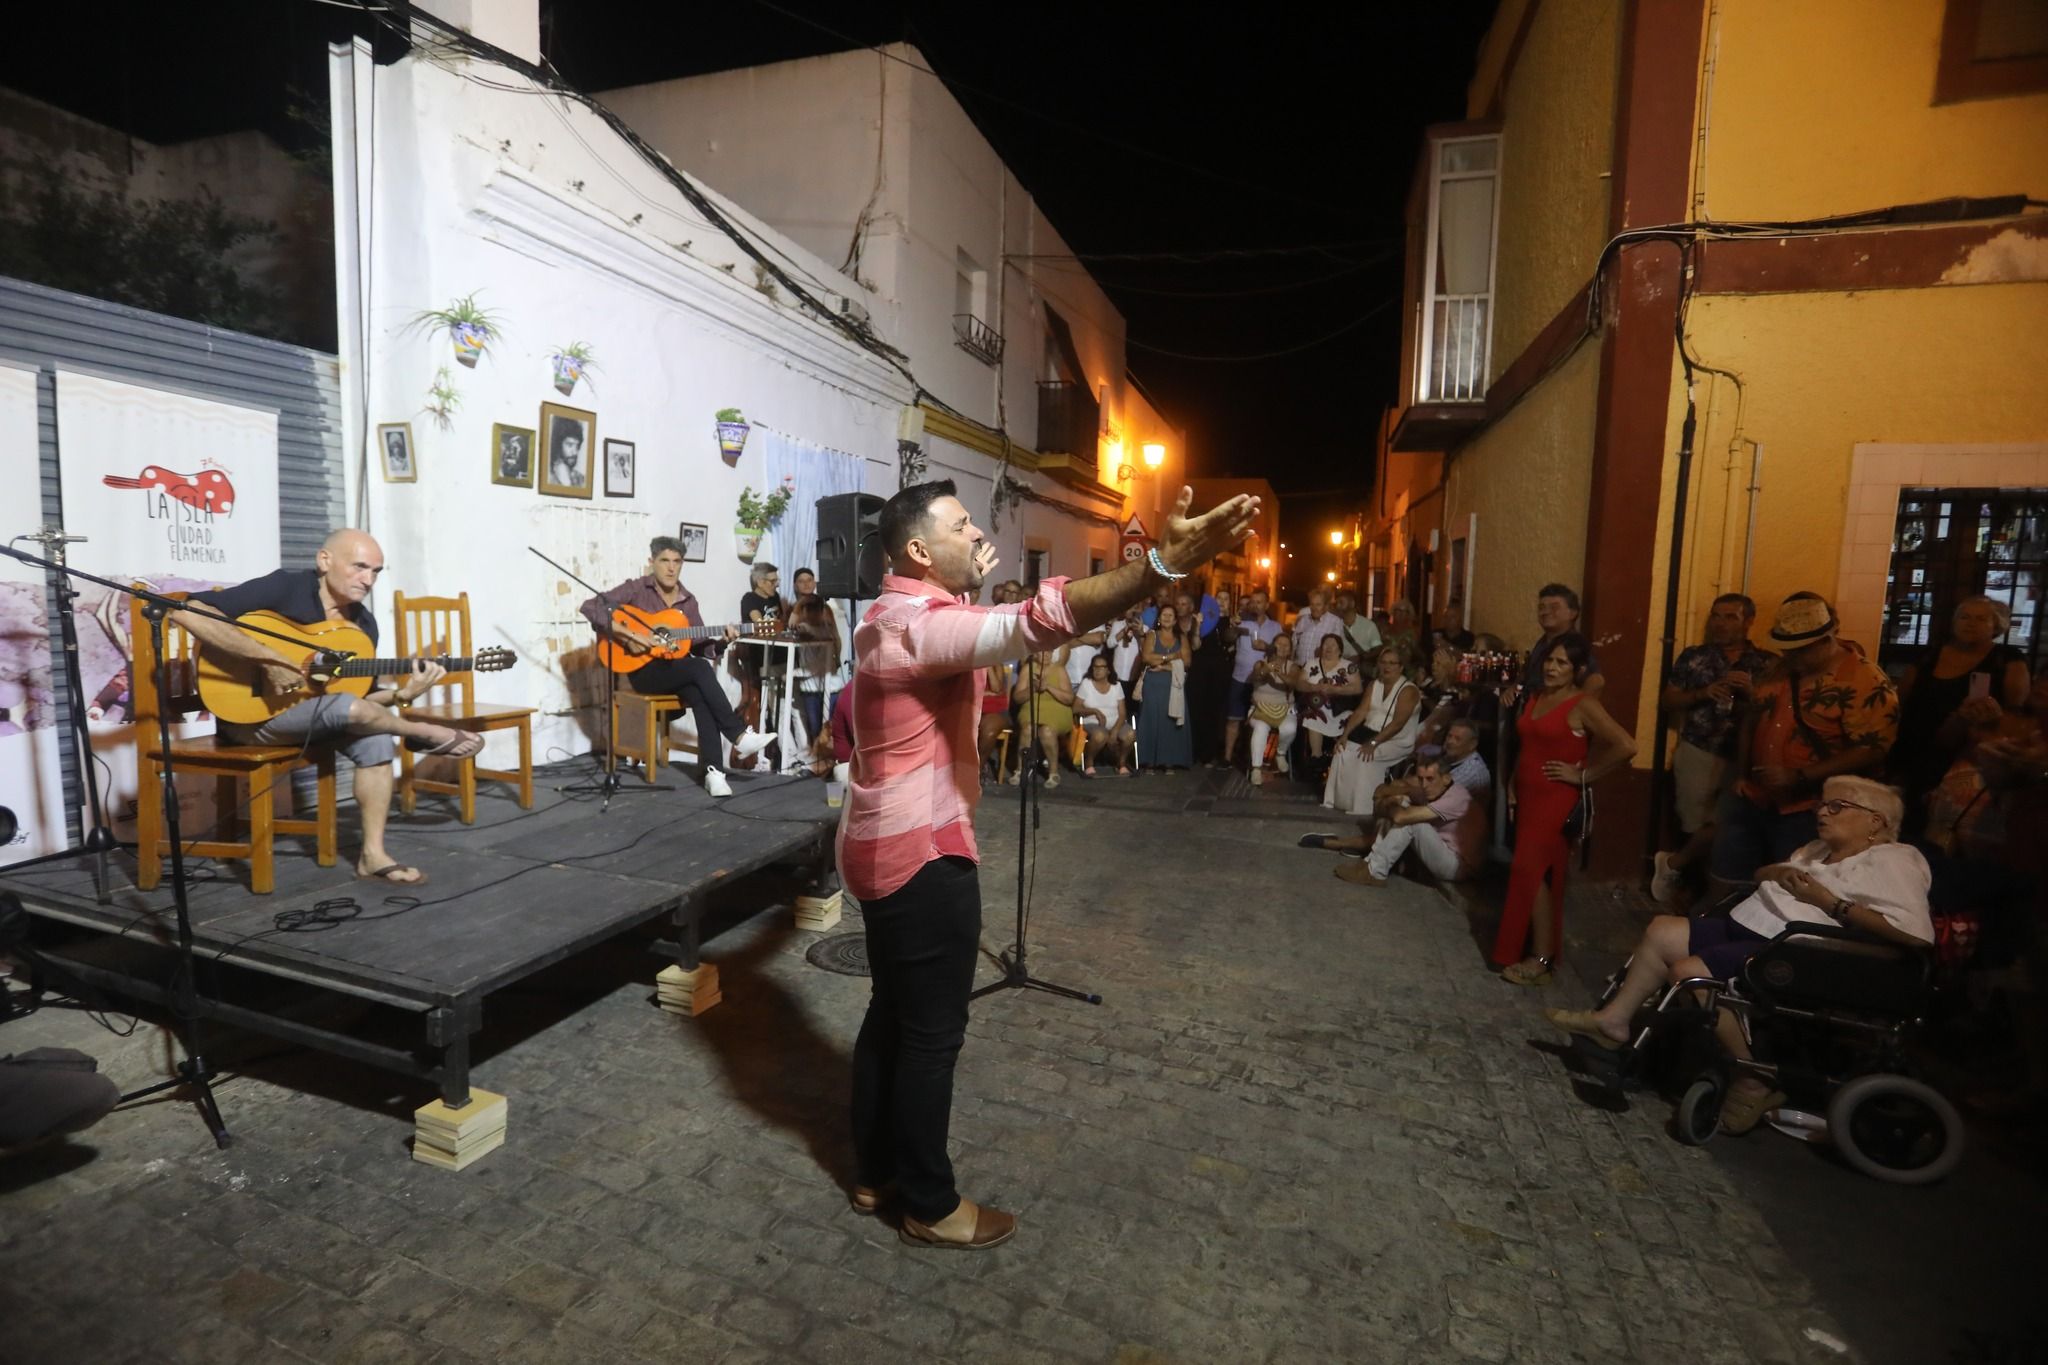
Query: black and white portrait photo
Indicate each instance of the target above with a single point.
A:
(696, 540)
(618, 468)
(511, 455)
(396, 439)
(568, 438)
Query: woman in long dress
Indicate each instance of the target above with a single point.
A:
(1379, 734)
(1163, 739)
(1555, 765)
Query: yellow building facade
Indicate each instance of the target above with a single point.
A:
(1658, 170)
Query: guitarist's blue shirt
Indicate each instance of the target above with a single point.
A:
(292, 593)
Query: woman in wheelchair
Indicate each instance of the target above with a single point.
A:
(1856, 874)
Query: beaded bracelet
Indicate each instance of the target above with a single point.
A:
(1159, 565)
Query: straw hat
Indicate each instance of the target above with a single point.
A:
(1802, 619)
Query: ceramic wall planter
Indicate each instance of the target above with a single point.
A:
(470, 339)
(747, 540)
(732, 439)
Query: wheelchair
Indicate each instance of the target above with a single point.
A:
(1828, 1012)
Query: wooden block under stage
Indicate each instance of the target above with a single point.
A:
(454, 1138)
(681, 991)
(819, 913)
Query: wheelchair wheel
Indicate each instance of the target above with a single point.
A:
(1896, 1129)
(1699, 1111)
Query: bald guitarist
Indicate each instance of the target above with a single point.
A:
(691, 677)
(365, 729)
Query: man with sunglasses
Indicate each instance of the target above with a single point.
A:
(1828, 712)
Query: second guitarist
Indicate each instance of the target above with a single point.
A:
(364, 729)
(692, 677)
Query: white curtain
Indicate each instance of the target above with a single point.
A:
(792, 542)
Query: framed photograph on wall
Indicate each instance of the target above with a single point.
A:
(511, 455)
(568, 444)
(696, 542)
(618, 468)
(394, 442)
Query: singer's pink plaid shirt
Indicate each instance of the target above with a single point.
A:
(916, 703)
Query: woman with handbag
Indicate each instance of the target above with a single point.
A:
(1568, 742)
(1379, 734)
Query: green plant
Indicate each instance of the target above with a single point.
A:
(579, 354)
(756, 510)
(729, 415)
(443, 398)
(461, 314)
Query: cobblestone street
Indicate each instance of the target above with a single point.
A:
(1304, 1125)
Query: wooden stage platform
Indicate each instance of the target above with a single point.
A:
(512, 894)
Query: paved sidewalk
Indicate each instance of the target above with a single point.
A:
(1304, 1125)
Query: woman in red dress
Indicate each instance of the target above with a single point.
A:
(1558, 728)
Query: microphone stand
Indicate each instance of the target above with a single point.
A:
(1016, 967)
(194, 1071)
(611, 784)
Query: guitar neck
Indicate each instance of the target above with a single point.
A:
(381, 668)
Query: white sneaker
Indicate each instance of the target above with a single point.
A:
(1665, 881)
(715, 783)
(751, 743)
(1258, 777)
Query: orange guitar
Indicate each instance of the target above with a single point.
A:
(671, 632)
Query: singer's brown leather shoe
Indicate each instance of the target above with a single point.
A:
(967, 1228)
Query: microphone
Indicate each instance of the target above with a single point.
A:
(51, 535)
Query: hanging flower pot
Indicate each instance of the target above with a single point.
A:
(471, 329)
(732, 434)
(757, 513)
(572, 362)
(748, 541)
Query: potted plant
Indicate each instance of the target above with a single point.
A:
(573, 362)
(732, 433)
(758, 513)
(471, 328)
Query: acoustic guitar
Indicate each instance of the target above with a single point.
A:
(672, 633)
(232, 689)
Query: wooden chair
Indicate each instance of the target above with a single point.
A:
(640, 722)
(256, 768)
(440, 625)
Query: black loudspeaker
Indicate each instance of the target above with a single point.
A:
(849, 548)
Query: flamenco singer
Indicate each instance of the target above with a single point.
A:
(906, 842)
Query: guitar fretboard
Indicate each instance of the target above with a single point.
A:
(377, 668)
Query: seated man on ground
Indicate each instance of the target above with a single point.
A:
(1854, 874)
(366, 729)
(1441, 823)
(1461, 759)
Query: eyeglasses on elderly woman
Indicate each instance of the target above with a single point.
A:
(1836, 805)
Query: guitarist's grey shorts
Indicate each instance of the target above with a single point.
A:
(317, 722)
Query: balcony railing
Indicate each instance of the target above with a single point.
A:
(977, 338)
(1068, 418)
(1456, 363)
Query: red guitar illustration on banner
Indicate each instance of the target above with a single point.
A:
(209, 490)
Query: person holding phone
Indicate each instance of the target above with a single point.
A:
(1971, 663)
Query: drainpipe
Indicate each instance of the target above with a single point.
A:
(1659, 773)
(1756, 486)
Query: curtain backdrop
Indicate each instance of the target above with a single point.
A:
(792, 542)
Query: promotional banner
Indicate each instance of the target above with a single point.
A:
(31, 775)
(176, 492)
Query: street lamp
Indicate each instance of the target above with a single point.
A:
(1265, 561)
(1155, 454)
(1330, 576)
(1336, 537)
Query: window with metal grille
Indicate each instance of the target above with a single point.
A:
(1953, 543)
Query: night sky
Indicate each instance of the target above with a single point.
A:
(1136, 131)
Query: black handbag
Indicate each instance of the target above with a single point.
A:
(1578, 826)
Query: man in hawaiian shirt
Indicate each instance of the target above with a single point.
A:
(1828, 711)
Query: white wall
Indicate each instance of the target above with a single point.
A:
(535, 206)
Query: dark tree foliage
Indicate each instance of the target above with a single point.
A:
(166, 255)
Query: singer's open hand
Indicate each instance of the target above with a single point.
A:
(985, 560)
(1190, 542)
